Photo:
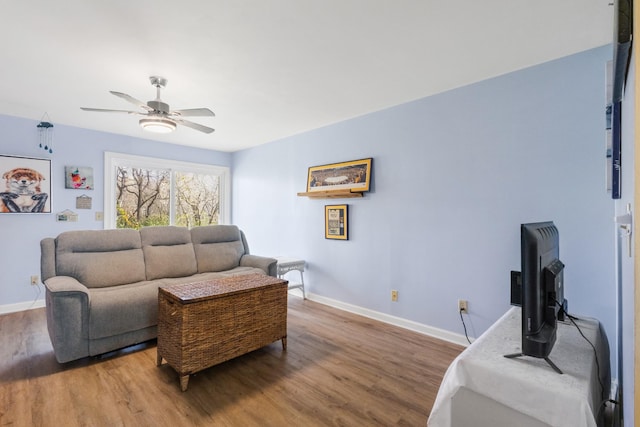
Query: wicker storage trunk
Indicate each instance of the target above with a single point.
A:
(205, 323)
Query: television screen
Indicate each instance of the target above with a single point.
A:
(542, 289)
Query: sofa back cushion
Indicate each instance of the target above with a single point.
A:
(168, 252)
(217, 247)
(100, 258)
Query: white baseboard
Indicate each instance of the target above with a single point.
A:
(21, 306)
(393, 320)
(382, 317)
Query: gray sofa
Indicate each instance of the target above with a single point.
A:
(102, 285)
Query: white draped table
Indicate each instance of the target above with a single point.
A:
(483, 388)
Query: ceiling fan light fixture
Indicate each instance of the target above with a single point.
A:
(158, 125)
(158, 117)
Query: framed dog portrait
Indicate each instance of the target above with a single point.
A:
(26, 186)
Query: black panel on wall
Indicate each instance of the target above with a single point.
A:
(616, 154)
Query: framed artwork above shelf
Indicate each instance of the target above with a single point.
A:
(339, 180)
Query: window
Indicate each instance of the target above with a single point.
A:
(143, 191)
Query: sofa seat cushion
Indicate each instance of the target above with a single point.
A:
(120, 309)
(217, 247)
(100, 258)
(168, 252)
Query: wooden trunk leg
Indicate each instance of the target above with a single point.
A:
(158, 359)
(284, 343)
(184, 382)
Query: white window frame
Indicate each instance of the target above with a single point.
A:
(113, 160)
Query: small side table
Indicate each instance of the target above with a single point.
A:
(285, 265)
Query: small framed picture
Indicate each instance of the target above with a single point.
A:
(78, 177)
(336, 224)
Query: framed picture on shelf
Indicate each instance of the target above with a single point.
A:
(27, 185)
(336, 224)
(354, 175)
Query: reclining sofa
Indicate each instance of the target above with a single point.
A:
(102, 285)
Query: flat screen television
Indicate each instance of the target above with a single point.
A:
(542, 292)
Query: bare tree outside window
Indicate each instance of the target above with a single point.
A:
(143, 191)
(142, 197)
(197, 199)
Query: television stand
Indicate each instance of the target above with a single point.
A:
(553, 365)
(482, 388)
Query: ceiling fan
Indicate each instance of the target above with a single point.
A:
(157, 115)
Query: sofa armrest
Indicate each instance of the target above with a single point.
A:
(268, 265)
(47, 258)
(58, 284)
(67, 308)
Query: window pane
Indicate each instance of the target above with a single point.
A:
(142, 197)
(197, 199)
(141, 191)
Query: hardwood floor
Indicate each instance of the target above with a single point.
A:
(339, 369)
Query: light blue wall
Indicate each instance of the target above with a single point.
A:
(625, 263)
(21, 233)
(455, 175)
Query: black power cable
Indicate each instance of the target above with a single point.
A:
(605, 400)
(464, 326)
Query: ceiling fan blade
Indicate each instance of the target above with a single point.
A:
(193, 112)
(132, 100)
(106, 110)
(193, 125)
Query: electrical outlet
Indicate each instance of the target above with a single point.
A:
(394, 295)
(99, 216)
(463, 306)
(35, 280)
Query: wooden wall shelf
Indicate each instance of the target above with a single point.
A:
(332, 194)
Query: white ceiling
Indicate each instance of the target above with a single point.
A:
(271, 68)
